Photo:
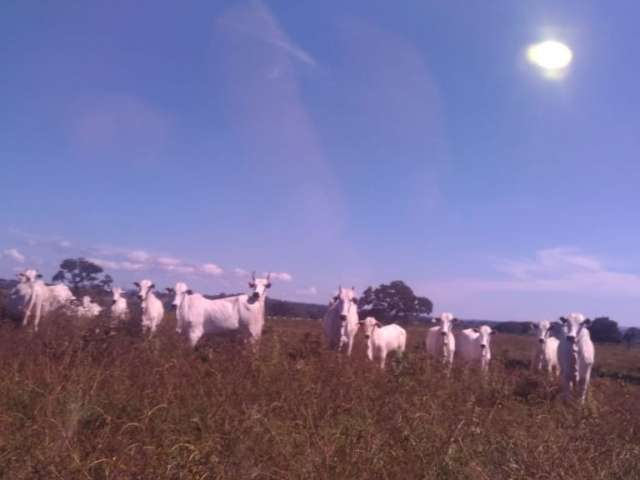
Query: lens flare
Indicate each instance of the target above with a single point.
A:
(550, 55)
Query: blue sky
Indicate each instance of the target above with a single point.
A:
(329, 143)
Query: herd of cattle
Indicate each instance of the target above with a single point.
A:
(562, 348)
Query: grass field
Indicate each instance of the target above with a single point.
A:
(76, 402)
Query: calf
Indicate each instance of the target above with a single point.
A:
(152, 309)
(474, 346)
(88, 309)
(545, 353)
(575, 355)
(383, 340)
(119, 308)
(440, 341)
(341, 320)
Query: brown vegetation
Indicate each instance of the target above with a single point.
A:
(78, 402)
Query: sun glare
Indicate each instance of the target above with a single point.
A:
(551, 56)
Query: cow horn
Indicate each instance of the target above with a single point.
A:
(253, 276)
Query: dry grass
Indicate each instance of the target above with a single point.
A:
(79, 403)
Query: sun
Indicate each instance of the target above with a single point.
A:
(551, 56)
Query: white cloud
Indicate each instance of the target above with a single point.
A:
(307, 291)
(14, 254)
(180, 268)
(211, 269)
(168, 261)
(138, 256)
(283, 276)
(240, 272)
(116, 265)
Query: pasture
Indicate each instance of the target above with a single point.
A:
(77, 402)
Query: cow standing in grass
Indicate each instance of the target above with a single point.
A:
(38, 298)
(440, 342)
(341, 320)
(119, 308)
(382, 340)
(152, 309)
(242, 315)
(545, 353)
(576, 355)
(474, 346)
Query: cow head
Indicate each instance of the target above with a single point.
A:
(573, 325)
(144, 287)
(259, 287)
(484, 337)
(29, 276)
(445, 322)
(369, 324)
(346, 301)
(543, 330)
(179, 293)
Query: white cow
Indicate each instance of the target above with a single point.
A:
(440, 341)
(88, 309)
(152, 309)
(545, 353)
(242, 315)
(575, 355)
(39, 297)
(119, 308)
(341, 321)
(383, 340)
(474, 346)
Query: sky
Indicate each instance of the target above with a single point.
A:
(350, 143)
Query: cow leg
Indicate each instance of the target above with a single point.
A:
(194, 335)
(585, 378)
(38, 314)
(350, 345)
(383, 359)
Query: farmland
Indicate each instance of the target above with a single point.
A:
(78, 401)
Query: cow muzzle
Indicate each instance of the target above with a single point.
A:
(366, 336)
(483, 346)
(571, 338)
(343, 317)
(541, 341)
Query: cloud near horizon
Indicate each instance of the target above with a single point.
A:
(558, 269)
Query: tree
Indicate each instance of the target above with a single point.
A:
(80, 273)
(393, 302)
(603, 329)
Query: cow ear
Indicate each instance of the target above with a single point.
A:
(268, 285)
(434, 320)
(153, 285)
(587, 322)
(39, 275)
(136, 284)
(354, 299)
(493, 332)
(189, 292)
(455, 320)
(563, 319)
(378, 324)
(477, 330)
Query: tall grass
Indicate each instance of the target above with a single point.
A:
(79, 402)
